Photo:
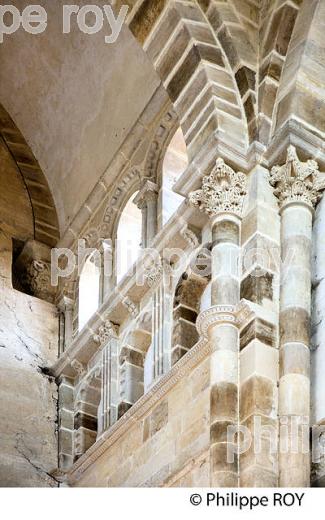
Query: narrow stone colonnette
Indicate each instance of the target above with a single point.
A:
(221, 198)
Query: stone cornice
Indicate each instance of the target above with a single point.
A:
(218, 146)
(295, 133)
(184, 366)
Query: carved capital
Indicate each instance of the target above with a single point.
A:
(149, 191)
(106, 332)
(296, 181)
(38, 279)
(78, 367)
(223, 190)
(154, 274)
(215, 315)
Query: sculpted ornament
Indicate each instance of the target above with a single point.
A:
(38, 278)
(295, 181)
(106, 332)
(223, 190)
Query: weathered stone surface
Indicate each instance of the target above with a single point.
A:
(28, 404)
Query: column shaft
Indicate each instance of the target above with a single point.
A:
(224, 359)
(294, 385)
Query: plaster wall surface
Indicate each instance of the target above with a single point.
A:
(75, 99)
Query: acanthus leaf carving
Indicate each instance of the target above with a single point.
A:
(223, 190)
(296, 181)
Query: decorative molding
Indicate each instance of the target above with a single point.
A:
(159, 143)
(184, 366)
(223, 190)
(114, 202)
(216, 314)
(296, 181)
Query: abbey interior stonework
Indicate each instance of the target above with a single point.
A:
(162, 247)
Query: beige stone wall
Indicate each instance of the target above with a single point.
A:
(28, 404)
(68, 101)
(167, 447)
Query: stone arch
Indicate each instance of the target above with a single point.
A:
(46, 226)
(179, 40)
(235, 24)
(301, 89)
(276, 29)
(159, 144)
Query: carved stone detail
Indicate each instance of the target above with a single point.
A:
(38, 278)
(78, 367)
(154, 275)
(134, 175)
(189, 236)
(148, 191)
(130, 306)
(216, 314)
(223, 190)
(106, 332)
(296, 181)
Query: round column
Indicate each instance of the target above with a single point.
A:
(295, 305)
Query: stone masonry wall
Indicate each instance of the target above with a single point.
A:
(167, 447)
(28, 405)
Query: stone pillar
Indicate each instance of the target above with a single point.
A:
(221, 197)
(318, 348)
(66, 422)
(296, 187)
(66, 307)
(258, 318)
(107, 337)
(161, 328)
(147, 201)
(107, 269)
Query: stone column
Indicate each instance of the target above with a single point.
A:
(147, 201)
(221, 198)
(65, 422)
(107, 269)
(66, 306)
(158, 277)
(107, 337)
(296, 187)
(318, 348)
